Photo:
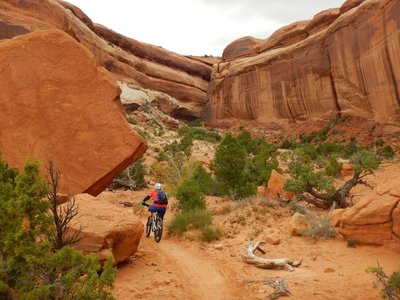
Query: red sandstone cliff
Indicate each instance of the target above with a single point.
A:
(344, 62)
(141, 65)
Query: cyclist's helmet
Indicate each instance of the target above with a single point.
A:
(158, 186)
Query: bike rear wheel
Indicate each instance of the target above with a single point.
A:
(159, 230)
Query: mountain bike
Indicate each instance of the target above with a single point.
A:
(155, 224)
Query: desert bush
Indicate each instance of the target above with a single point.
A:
(30, 268)
(206, 182)
(258, 168)
(288, 144)
(162, 156)
(318, 227)
(190, 196)
(321, 135)
(210, 234)
(133, 176)
(296, 207)
(194, 219)
(223, 209)
(197, 133)
(385, 152)
(390, 284)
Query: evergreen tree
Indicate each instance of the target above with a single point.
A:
(29, 268)
(228, 167)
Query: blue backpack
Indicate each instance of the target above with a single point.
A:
(162, 197)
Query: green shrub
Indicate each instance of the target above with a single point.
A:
(30, 268)
(327, 149)
(197, 133)
(350, 149)
(259, 167)
(194, 219)
(134, 174)
(386, 152)
(390, 284)
(210, 234)
(205, 181)
(190, 196)
(162, 156)
(288, 144)
(296, 207)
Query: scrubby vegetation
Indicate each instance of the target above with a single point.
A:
(241, 163)
(390, 285)
(30, 267)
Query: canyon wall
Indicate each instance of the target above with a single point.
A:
(343, 62)
(142, 66)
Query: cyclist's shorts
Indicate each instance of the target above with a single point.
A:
(160, 210)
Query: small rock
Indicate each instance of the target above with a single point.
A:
(329, 270)
(218, 247)
(273, 240)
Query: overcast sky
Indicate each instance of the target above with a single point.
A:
(199, 27)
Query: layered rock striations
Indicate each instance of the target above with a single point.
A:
(375, 219)
(153, 68)
(57, 104)
(344, 62)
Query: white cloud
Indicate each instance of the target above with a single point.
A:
(199, 27)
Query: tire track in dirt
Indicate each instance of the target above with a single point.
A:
(204, 277)
(175, 270)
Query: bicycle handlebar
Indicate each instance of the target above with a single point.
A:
(145, 204)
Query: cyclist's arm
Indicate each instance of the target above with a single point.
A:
(146, 198)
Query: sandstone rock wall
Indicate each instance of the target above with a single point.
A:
(375, 219)
(150, 67)
(343, 62)
(57, 104)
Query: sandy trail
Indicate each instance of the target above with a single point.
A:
(176, 270)
(205, 278)
(181, 269)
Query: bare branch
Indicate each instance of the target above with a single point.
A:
(62, 214)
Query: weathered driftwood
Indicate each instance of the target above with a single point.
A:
(280, 286)
(267, 263)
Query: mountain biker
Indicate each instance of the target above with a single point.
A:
(160, 201)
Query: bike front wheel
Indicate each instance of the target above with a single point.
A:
(148, 228)
(159, 230)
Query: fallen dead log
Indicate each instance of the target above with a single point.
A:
(267, 263)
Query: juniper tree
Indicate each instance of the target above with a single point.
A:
(29, 267)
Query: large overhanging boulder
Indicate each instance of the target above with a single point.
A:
(57, 104)
(146, 66)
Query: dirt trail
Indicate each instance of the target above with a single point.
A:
(205, 278)
(176, 270)
(181, 269)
